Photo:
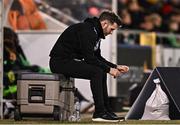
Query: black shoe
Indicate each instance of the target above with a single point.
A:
(115, 116)
(103, 117)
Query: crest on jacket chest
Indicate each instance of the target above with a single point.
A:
(97, 45)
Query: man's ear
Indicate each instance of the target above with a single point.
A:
(104, 23)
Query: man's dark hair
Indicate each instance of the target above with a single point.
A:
(110, 16)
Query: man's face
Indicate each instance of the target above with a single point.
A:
(108, 27)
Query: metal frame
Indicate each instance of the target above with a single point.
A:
(113, 82)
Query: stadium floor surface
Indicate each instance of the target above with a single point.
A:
(86, 119)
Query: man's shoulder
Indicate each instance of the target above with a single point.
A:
(85, 28)
(81, 25)
(84, 25)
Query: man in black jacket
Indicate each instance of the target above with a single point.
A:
(77, 54)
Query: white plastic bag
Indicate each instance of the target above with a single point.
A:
(157, 106)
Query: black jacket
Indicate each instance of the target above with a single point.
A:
(82, 41)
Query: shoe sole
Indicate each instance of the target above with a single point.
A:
(103, 120)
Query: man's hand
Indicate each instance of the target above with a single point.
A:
(114, 72)
(123, 68)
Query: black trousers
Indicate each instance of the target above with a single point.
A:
(82, 70)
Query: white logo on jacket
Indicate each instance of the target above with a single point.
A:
(97, 42)
(97, 45)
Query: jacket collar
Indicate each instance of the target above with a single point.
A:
(96, 23)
